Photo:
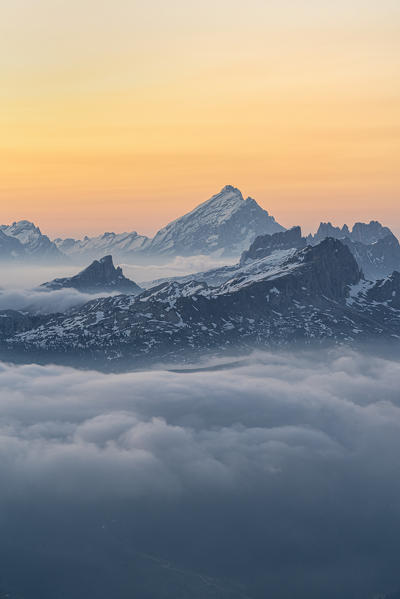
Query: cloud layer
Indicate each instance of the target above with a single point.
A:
(281, 473)
(44, 302)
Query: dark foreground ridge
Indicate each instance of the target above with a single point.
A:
(314, 295)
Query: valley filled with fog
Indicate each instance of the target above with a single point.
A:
(277, 477)
(17, 276)
(19, 284)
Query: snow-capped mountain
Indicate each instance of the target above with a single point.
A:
(375, 260)
(35, 244)
(312, 295)
(225, 225)
(120, 245)
(99, 276)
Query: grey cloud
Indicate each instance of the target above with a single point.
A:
(43, 302)
(284, 467)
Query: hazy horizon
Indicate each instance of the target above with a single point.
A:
(108, 227)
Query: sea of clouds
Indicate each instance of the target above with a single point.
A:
(19, 285)
(44, 302)
(281, 474)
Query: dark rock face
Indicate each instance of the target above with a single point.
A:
(13, 322)
(329, 230)
(100, 276)
(334, 268)
(264, 245)
(314, 295)
(374, 246)
(369, 233)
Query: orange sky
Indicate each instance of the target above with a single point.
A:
(121, 115)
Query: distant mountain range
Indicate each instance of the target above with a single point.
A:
(225, 225)
(274, 297)
(118, 244)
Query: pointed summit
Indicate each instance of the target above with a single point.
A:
(225, 224)
(100, 275)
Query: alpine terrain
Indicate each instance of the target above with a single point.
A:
(312, 295)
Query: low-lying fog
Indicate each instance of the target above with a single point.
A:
(17, 276)
(18, 284)
(279, 477)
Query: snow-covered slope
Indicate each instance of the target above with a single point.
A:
(264, 253)
(312, 295)
(117, 244)
(36, 245)
(226, 224)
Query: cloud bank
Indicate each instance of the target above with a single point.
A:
(281, 474)
(44, 302)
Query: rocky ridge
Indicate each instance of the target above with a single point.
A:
(315, 295)
(99, 276)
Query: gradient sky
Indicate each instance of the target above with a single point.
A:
(121, 115)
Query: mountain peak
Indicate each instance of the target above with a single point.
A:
(225, 224)
(105, 260)
(229, 189)
(34, 242)
(100, 275)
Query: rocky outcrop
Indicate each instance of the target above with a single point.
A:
(264, 245)
(100, 276)
(366, 233)
(333, 268)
